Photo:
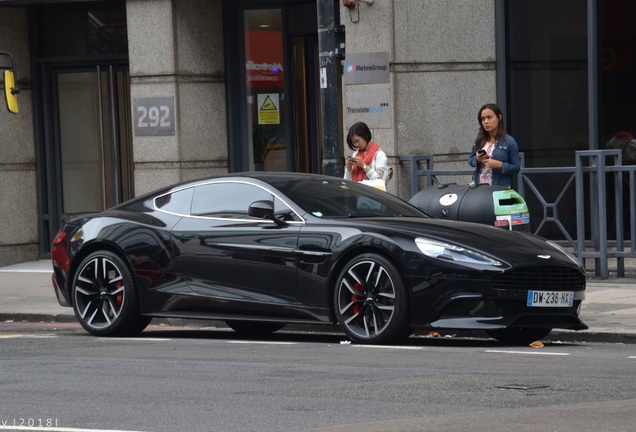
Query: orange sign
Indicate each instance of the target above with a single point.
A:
(264, 59)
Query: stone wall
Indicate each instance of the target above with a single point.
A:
(18, 194)
(176, 50)
(443, 69)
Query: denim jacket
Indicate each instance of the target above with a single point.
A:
(506, 150)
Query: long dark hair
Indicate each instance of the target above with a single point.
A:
(362, 130)
(483, 136)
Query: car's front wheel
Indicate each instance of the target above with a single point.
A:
(519, 335)
(105, 297)
(371, 301)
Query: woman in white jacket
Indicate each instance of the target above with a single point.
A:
(367, 162)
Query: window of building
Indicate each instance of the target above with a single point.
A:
(547, 79)
(547, 100)
(618, 68)
(86, 29)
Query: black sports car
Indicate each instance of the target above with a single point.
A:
(261, 250)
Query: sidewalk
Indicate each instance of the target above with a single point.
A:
(609, 308)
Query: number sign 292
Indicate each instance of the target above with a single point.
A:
(154, 116)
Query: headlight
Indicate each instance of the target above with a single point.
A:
(450, 252)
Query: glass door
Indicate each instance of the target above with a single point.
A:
(265, 87)
(93, 137)
(272, 85)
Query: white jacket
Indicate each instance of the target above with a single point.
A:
(379, 167)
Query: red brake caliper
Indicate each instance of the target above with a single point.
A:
(120, 295)
(354, 298)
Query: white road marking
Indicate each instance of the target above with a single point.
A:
(260, 343)
(57, 429)
(528, 352)
(25, 271)
(28, 336)
(388, 347)
(137, 339)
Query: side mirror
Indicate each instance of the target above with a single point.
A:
(11, 91)
(264, 210)
(10, 88)
(261, 210)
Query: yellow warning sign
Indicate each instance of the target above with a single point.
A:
(268, 112)
(268, 104)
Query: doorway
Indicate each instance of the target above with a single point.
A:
(273, 91)
(81, 87)
(89, 141)
(93, 138)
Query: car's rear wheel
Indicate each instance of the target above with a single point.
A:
(254, 328)
(371, 301)
(105, 296)
(519, 335)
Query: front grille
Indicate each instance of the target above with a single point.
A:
(544, 278)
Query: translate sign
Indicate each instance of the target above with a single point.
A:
(372, 106)
(366, 68)
(154, 116)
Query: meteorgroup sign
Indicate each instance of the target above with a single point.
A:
(367, 68)
(362, 68)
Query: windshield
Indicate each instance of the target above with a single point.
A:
(338, 198)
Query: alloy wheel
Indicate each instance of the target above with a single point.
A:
(99, 292)
(105, 296)
(371, 301)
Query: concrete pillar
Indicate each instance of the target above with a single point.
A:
(18, 193)
(176, 50)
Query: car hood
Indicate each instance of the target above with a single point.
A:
(514, 247)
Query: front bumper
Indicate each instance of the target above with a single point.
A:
(501, 310)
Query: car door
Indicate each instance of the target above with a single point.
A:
(244, 264)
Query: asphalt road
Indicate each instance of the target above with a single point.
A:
(183, 379)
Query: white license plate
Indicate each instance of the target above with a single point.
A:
(550, 298)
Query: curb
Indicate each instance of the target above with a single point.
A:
(592, 335)
(556, 336)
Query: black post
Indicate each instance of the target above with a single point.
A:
(327, 46)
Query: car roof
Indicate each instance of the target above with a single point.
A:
(264, 176)
(267, 177)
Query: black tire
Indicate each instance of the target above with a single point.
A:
(371, 301)
(519, 335)
(105, 297)
(254, 328)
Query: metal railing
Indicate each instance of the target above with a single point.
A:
(590, 178)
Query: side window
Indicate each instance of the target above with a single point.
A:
(232, 200)
(178, 202)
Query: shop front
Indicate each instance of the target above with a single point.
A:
(121, 97)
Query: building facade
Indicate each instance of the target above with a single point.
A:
(119, 98)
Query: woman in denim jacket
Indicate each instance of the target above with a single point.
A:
(494, 153)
